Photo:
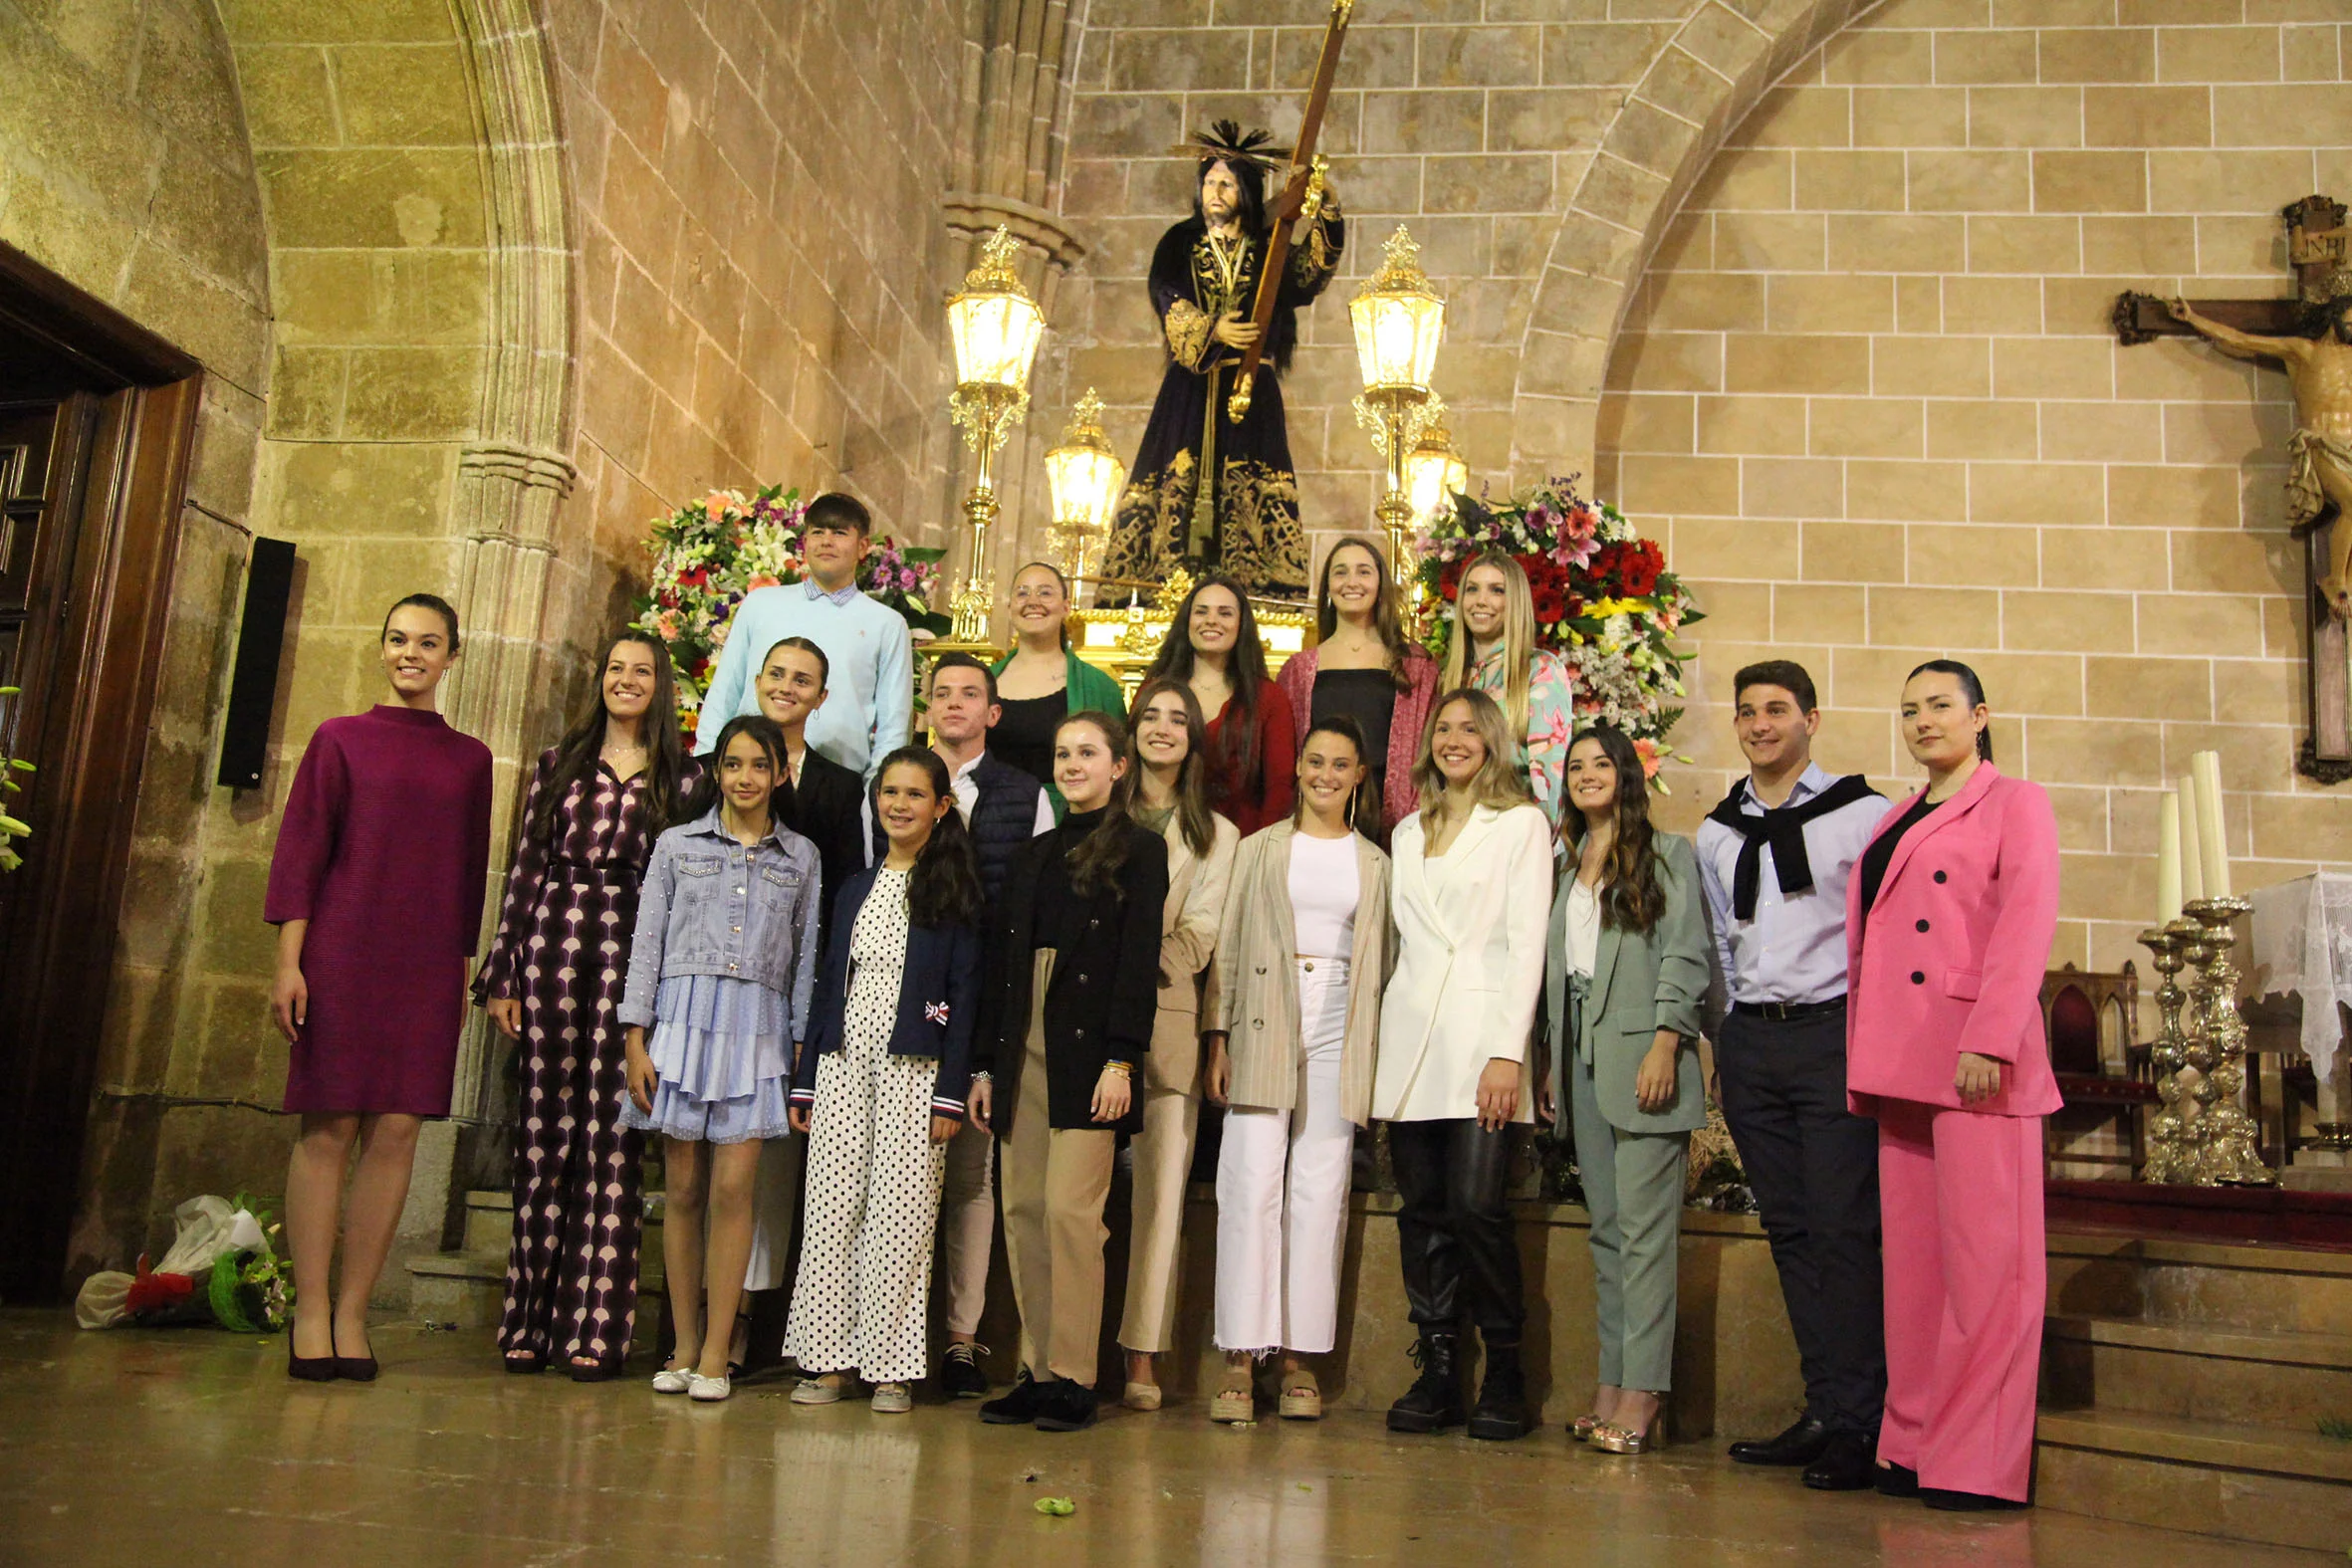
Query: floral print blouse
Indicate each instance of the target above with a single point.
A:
(1551, 722)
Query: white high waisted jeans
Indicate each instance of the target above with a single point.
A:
(1281, 1192)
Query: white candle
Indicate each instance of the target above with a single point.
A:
(2207, 767)
(2185, 825)
(2168, 858)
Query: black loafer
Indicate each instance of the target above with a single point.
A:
(1801, 1443)
(1967, 1501)
(1015, 1407)
(1848, 1463)
(1897, 1480)
(1065, 1406)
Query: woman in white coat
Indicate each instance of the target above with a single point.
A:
(1471, 879)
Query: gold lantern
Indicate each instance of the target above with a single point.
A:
(1435, 472)
(1086, 476)
(996, 327)
(1399, 321)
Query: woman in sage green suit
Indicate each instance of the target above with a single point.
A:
(1625, 970)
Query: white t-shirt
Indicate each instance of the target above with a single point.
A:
(1583, 941)
(1323, 895)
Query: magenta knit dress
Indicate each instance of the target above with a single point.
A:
(385, 848)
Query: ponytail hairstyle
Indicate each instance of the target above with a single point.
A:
(1347, 729)
(426, 602)
(1630, 897)
(1068, 600)
(1970, 684)
(576, 754)
(1245, 672)
(760, 728)
(944, 887)
(1193, 816)
(1103, 854)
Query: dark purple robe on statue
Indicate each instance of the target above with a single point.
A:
(385, 848)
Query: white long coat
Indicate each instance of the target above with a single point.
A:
(1470, 962)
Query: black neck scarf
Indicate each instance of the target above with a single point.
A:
(1783, 828)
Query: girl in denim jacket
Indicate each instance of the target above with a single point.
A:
(720, 971)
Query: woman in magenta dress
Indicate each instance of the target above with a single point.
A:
(598, 799)
(375, 889)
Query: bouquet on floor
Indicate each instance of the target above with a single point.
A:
(221, 1272)
(1604, 600)
(713, 551)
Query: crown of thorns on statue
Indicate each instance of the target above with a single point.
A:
(1225, 142)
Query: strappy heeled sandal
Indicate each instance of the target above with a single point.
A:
(1583, 1429)
(1611, 1438)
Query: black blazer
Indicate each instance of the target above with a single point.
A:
(827, 808)
(1104, 994)
(938, 1001)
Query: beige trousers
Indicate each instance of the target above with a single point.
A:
(968, 1226)
(1162, 1154)
(1056, 1182)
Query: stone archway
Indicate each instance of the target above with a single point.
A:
(1718, 68)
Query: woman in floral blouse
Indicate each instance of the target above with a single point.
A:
(1495, 650)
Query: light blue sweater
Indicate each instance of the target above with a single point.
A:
(869, 702)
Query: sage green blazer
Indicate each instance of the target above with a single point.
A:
(1642, 982)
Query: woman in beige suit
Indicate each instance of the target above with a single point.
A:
(1473, 880)
(1301, 959)
(1166, 749)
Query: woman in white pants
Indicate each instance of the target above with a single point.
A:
(1302, 955)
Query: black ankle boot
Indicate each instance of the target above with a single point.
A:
(1501, 1411)
(1434, 1402)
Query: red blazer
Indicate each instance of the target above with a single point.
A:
(1265, 795)
(1951, 958)
(1405, 724)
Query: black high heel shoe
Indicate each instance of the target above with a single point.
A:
(353, 1369)
(306, 1369)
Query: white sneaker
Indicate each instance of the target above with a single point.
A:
(708, 1389)
(893, 1398)
(672, 1380)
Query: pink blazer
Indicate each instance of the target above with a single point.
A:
(1951, 958)
(1296, 679)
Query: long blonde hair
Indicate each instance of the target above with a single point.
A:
(1519, 642)
(1497, 783)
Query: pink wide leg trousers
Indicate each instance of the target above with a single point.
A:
(1966, 1283)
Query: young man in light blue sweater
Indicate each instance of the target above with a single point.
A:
(865, 641)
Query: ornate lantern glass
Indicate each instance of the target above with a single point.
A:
(995, 326)
(1084, 472)
(1433, 473)
(1399, 318)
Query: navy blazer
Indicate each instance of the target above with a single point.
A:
(938, 1000)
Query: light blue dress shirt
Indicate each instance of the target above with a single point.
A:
(1794, 950)
(869, 704)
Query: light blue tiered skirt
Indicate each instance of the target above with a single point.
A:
(722, 1054)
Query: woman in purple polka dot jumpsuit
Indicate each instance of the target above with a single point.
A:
(553, 977)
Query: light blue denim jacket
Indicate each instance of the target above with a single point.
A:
(709, 906)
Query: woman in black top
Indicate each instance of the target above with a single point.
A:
(1043, 681)
(1070, 996)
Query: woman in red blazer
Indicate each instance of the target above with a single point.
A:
(1949, 922)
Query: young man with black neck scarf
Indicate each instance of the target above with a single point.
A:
(1774, 858)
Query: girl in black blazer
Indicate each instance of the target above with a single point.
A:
(1073, 963)
(879, 1090)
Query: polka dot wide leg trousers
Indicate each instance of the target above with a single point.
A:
(872, 1200)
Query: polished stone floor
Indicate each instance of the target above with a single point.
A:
(188, 1447)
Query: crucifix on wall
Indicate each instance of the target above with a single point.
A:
(2311, 337)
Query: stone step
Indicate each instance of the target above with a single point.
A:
(489, 1220)
(2271, 1484)
(2240, 1376)
(2263, 1289)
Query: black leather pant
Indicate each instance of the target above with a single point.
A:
(1453, 1223)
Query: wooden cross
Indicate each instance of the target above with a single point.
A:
(2317, 250)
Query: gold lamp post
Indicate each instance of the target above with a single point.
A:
(1086, 476)
(1399, 321)
(996, 327)
(1435, 471)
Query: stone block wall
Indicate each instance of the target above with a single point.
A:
(1868, 394)
(761, 266)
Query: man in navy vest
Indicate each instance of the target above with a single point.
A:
(1774, 858)
(1003, 807)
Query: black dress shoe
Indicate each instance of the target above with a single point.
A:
(1801, 1443)
(1065, 1406)
(354, 1368)
(1848, 1463)
(308, 1369)
(1897, 1480)
(1017, 1408)
(1967, 1501)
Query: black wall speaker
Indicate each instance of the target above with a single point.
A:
(261, 640)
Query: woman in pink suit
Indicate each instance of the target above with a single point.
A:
(1949, 924)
